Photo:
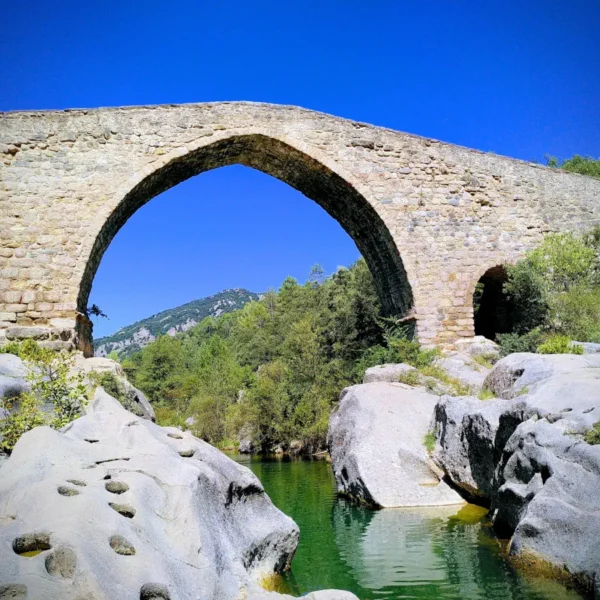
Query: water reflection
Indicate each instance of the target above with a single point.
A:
(442, 553)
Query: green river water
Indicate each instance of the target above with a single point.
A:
(440, 554)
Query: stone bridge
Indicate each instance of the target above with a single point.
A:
(430, 218)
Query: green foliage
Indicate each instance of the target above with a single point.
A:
(592, 436)
(277, 365)
(485, 394)
(113, 355)
(555, 289)
(10, 348)
(436, 374)
(584, 165)
(485, 360)
(559, 344)
(429, 442)
(410, 378)
(27, 415)
(51, 385)
(526, 342)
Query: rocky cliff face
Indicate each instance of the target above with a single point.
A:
(132, 338)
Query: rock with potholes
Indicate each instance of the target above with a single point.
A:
(388, 372)
(376, 443)
(118, 507)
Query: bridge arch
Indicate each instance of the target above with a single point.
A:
(317, 177)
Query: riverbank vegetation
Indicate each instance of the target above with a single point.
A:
(276, 367)
(553, 295)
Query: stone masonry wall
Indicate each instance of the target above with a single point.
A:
(429, 217)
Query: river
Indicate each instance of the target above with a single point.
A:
(448, 553)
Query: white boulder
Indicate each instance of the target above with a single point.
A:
(376, 442)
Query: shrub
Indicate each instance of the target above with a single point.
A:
(514, 342)
(592, 436)
(410, 378)
(486, 395)
(52, 385)
(429, 442)
(28, 414)
(559, 344)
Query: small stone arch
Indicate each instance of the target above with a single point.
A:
(492, 309)
(303, 169)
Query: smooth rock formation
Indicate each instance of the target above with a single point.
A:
(117, 505)
(376, 442)
(527, 458)
(388, 372)
(518, 373)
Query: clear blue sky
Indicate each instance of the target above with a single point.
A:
(520, 78)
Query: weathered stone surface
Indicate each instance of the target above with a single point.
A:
(478, 346)
(430, 218)
(376, 443)
(519, 373)
(588, 347)
(388, 372)
(203, 526)
(527, 457)
(464, 369)
(549, 495)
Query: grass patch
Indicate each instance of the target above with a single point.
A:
(410, 378)
(456, 387)
(429, 442)
(592, 436)
(486, 395)
(485, 360)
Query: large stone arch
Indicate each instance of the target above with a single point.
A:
(69, 179)
(306, 170)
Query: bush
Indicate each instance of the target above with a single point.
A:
(592, 436)
(559, 344)
(51, 385)
(584, 165)
(514, 342)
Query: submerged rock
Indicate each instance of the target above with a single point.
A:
(376, 443)
(116, 506)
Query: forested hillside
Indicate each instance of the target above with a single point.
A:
(174, 320)
(275, 368)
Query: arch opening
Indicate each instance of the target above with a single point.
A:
(338, 197)
(493, 311)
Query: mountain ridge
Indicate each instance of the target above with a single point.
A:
(134, 337)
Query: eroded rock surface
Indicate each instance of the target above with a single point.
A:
(137, 516)
(389, 372)
(376, 442)
(527, 458)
